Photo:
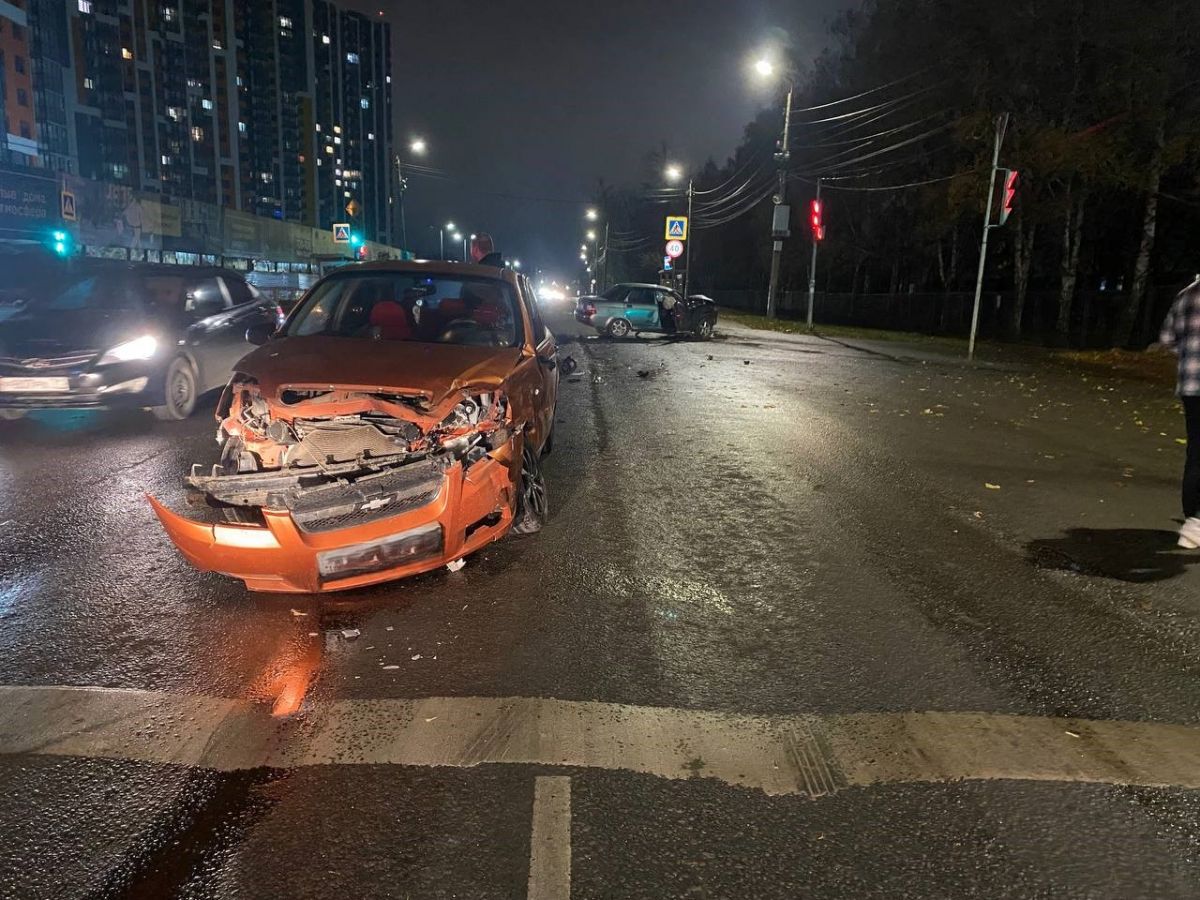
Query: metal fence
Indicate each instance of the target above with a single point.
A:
(1094, 319)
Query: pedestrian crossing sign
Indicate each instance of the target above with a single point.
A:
(341, 233)
(68, 207)
(677, 228)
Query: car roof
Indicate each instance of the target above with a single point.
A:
(429, 267)
(94, 264)
(643, 284)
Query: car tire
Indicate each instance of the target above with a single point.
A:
(532, 507)
(179, 392)
(618, 328)
(705, 329)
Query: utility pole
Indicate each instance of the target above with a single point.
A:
(604, 276)
(401, 187)
(812, 269)
(1001, 127)
(781, 158)
(687, 264)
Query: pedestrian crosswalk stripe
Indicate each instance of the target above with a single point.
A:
(804, 755)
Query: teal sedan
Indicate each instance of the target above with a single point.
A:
(626, 309)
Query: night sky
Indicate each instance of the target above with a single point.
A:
(537, 99)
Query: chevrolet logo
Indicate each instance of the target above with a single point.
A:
(372, 505)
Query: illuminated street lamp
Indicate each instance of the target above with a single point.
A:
(673, 172)
(516, 264)
(764, 68)
(448, 227)
(592, 215)
(418, 146)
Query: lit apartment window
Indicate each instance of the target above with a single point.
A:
(329, 150)
(217, 45)
(89, 83)
(352, 58)
(126, 53)
(85, 6)
(168, 13)
(166, 160)
(337, 140)
(206, 103)
(318, 126)
(285, 22)
(389, 79)
(197, 133)
(267, 177)
(370, 135)
(239, 81)
(325, 39)
(337, 129)
(347, 193)
(242, 127)
(338, 182)
(174, 113)
(364, 103)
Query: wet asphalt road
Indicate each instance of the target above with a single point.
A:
(757, 525)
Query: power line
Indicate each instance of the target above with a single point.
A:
(874, 90)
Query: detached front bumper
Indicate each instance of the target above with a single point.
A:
(470, 509)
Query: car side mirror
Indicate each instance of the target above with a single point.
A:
(260, 332)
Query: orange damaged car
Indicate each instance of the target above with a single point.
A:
(392, 425)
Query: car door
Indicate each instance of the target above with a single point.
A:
(247, 307)
(210, 338)
(641, 309)
(540, 371)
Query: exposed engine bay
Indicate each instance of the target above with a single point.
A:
(334, 457)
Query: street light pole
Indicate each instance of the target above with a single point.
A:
(781, 158)
(1001, 127)
(401, 187)
(687, 265)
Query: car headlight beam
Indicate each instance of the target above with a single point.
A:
(143, 347)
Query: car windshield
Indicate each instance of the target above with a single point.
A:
(411, 306)
(85, 291)
(616, 292)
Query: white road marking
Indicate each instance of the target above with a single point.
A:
(806, 755)
(550, 842)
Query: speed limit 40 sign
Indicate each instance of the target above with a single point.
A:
(674, 249)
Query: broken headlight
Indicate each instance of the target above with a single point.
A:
(475, 417)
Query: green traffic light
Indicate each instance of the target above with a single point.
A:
(355, 239)
(61, 242)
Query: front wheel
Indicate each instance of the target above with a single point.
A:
(704, 330)
(179, 392)
(532, 503)
(618, 328)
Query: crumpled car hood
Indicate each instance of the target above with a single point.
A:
(434, 370)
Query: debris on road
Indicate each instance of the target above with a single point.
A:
(389, 668)
(990, 486)
(457, 565)
(350, 634)
(298, 614)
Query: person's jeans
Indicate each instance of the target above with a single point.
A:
(1191, 472)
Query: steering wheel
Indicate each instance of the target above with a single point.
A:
(466, 331)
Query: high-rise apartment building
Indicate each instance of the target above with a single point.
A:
(353, 119)
(281, 108)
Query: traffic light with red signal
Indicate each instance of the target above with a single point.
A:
(1008, 192)
(816, 220)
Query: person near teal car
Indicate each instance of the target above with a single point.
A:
(626, 309)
